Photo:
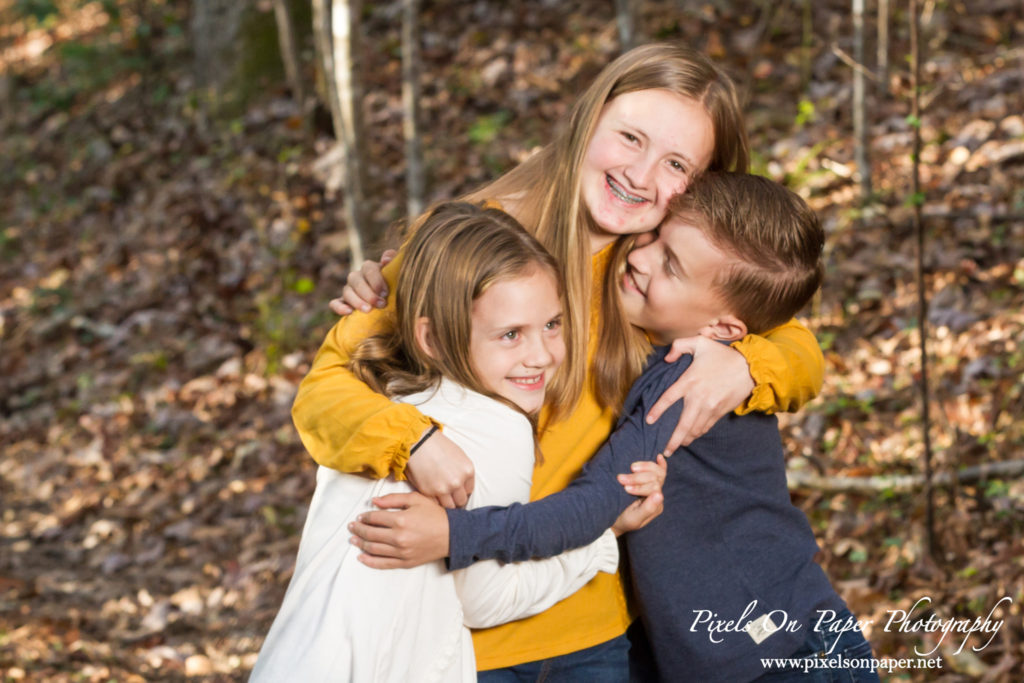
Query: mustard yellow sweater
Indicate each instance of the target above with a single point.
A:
(347, 426)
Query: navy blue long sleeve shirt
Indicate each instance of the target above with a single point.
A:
(729, 546)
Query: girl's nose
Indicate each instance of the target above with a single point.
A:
(639, 173)
(540, 355)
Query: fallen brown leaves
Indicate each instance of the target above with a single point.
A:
(163, 281)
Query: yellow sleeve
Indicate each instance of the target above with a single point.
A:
(787, 366)
(343, 423)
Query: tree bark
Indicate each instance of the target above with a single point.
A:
(917, 199)
(348, 82)
(415, 185)
(882, 49)
(859, 104)
(289, 50)
(323, 45)
(625, 18)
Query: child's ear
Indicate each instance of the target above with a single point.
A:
(423, 336)
(726, 328)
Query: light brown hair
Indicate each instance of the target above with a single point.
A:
(451, 258)
(546, 194)
(775, 241)
(775, 238)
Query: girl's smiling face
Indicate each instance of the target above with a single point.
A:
(516, 337)
(647, 147)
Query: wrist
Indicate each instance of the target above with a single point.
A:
(423, 439)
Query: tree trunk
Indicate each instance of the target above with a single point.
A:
(415, 186)
(289, 51)
(917, 199)
(348, 83)
(860, 135)
(214, 27)
(323, 46)
(882, 49)
(625, 17)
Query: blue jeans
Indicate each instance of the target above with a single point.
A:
(604, 663)
(823, 645)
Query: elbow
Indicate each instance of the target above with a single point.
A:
(474, 619)
(481, 611)
(816, 372)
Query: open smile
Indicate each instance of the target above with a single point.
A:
(629, 282)
(619, 192)
(531, 383)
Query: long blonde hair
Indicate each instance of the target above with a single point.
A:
(547, 193)
(452, 257)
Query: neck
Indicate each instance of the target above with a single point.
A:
(600, 240)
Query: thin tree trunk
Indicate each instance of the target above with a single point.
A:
(347, 77)
(625, 17)
(922, 301)
(411, 104)
(806, 44)
(289, 50)
(323, 44)
(859, 104)
(882, 49)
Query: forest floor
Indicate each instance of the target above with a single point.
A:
(164, 276)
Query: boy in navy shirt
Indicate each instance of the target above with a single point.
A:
(725, 577)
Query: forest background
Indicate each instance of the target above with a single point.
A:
(169, 239)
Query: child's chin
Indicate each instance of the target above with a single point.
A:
(530, 406)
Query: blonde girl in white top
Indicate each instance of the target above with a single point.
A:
(475, 344)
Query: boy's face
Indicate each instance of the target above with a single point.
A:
(667, 288)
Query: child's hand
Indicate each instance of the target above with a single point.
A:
(716, 383)
(649, 477)
(442, 470)
(366, 287)
(412, 532)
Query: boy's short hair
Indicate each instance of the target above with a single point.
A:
(775, 237)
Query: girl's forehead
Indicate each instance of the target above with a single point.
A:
(526, 296)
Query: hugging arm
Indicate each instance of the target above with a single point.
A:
(347, 426)
(493, 593)
(366, 288)
(567, 519)
(779, 371)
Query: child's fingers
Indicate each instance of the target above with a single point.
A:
(675, 392)
(641, 483)
(340, 307)
(387, 257)
(393, 501)
(639, 513)
(681, 346)
(375, 281)
(695, 421)
(650, 507)
(358, 294)
(375, 549)
(378, 562)
(377, 529)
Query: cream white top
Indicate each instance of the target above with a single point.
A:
(341, 620)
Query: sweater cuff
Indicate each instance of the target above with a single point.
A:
(608, 552)
(762, 398)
